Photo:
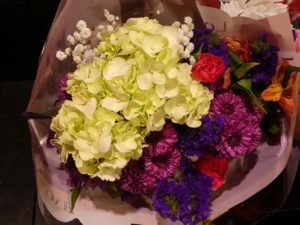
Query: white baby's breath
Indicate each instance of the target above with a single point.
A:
(185, 33)
(81, 24)
(60, 55)
(71, 40)
(68, 51)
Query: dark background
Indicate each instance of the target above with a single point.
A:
(24, 28)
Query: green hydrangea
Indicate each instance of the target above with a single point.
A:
(119, 99)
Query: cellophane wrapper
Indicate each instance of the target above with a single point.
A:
(247, 175)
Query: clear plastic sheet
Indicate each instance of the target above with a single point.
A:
(255, 171)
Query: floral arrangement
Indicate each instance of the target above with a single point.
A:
(156, 113)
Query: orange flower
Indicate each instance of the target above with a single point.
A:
(276, 92)
(239, 47)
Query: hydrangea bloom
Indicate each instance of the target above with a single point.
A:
(119, 99)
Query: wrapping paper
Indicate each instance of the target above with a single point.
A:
(256, 171)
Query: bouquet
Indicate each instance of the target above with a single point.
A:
(161, 116)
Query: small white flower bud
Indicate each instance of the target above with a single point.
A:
(188, 20)
(176, 24)
(106, 12)
(86, 33)
(110, 18)
(78, 48)
(81, 24)
(60, 55)
(190, 34)
(77, 59)
(68, 51)
(99, 36)
(77, 36)
(71, 40)
(109, 28)
(190, 47)
(101, 27)
(185, 28)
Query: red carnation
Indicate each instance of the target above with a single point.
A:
(208, 68)
(213, 166)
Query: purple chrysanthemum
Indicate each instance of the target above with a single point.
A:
(194, 141)
(229, 105)
(161, 164)
(235, 139)
(62, 89)
(187, 201)
(159, 140)
(161, 158)
(135, 180)
(252, 110)
(256, 133)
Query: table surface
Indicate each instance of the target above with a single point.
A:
(17, 185)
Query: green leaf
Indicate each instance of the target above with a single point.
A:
(245, 85)
(74, 196)
(235, 61)
(274, 129)
(243, 69)
(289, 70)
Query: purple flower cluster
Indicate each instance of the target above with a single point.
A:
(135, 179)
(187, 200)
(160, 160)
(267, 55)
(241, 133)
(62, 89)
(78, 180)
(194, 141)
(209, 42)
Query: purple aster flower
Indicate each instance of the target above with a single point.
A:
(194, 141)
(76, 179)
(200, 189)
(62, 89)
(266, 55)
(210, 42)
(171, 199)
(187, 201)
(229, 105)
(235, 139)
(161, 162)
(135, 180)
